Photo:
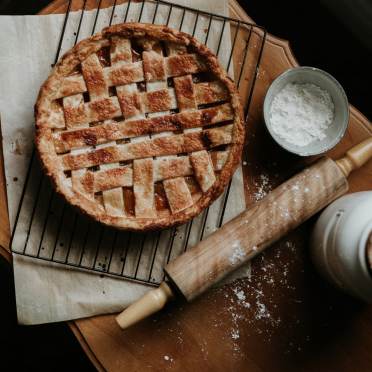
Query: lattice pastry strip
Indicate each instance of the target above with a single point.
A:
(143, 188)
(139, 200)
(169, 145)
(153, 66)
(176, 189)
(178, 194)
(156, 80)
(81, 180)
(203, 168)
(185, 94)
(74, 111)
(94, 78)
(113, 130)
(120, 55)
(113, 201)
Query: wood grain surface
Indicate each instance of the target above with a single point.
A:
(285, 318)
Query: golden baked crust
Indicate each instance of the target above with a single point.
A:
(139, 126)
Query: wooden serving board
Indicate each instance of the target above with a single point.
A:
(284, 319)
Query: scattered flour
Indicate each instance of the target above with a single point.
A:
(253, 301)
(241, 298)
(262, 187)
(301, 113)
(262, 311)
(239, 294)
(251, 306)
(235, 334)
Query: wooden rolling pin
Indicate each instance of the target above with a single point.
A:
(248, 234)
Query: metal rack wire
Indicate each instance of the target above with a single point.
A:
(49, 229)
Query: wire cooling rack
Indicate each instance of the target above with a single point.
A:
(49, 229)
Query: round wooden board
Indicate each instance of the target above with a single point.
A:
(284, 319)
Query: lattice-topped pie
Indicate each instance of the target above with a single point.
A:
(139, 126)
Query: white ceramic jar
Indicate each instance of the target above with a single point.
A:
(339, 244)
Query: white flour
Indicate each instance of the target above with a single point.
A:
(301, 113)
(238, 253)
(263, 187)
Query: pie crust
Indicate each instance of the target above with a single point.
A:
(139, 127)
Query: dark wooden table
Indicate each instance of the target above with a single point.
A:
(53, 347)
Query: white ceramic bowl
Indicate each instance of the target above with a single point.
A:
(328, 83)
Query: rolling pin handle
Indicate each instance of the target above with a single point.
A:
(150, 303)
(356, 157)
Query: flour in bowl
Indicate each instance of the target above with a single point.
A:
(301, 113)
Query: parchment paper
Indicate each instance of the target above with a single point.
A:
(48, 292)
